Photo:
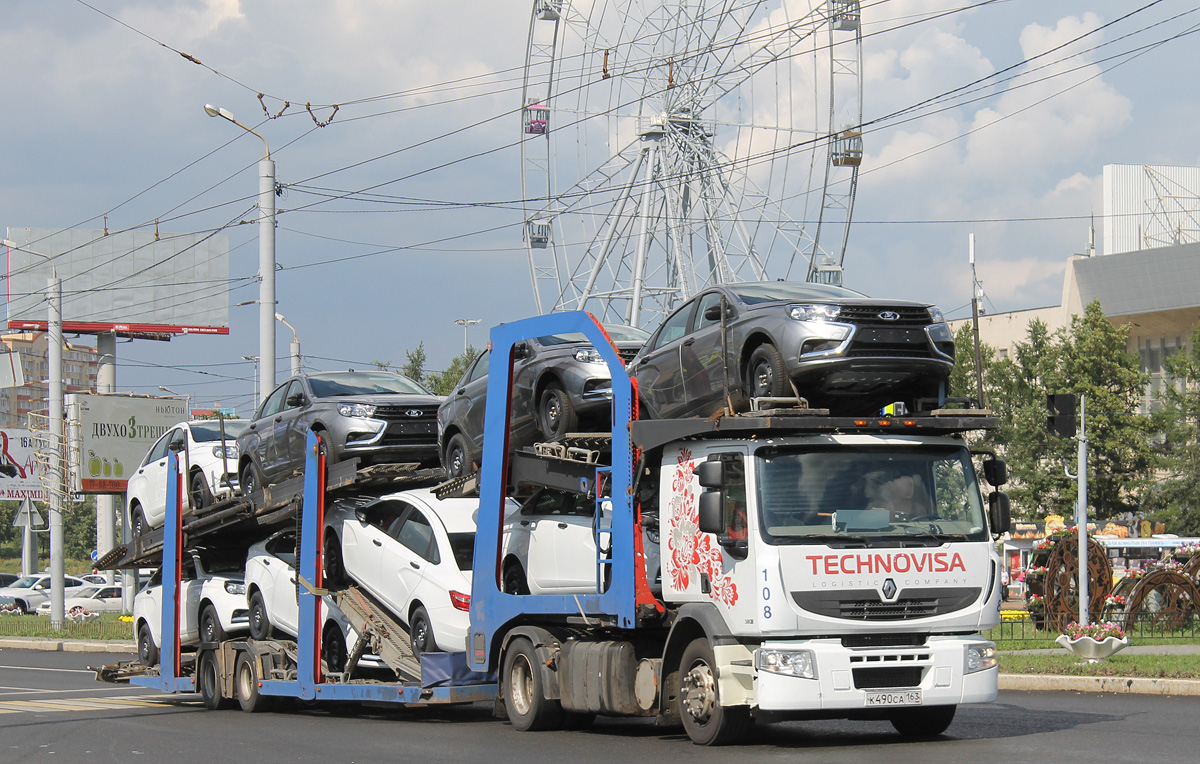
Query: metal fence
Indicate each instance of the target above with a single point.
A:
(105, 629)
(1145, 626)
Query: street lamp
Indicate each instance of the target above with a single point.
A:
(255, 359)
(466, 323)
(169, 391)
(266, 253)
(295, 344)
(54, 406)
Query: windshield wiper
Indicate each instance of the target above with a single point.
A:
(935, 537)
(837, 538)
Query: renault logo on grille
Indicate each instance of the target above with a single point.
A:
(889, 315)
(414, 412)
(889, 589)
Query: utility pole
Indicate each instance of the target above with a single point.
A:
(57, 485)
(1081, 514)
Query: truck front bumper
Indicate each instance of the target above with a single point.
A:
(878, 677)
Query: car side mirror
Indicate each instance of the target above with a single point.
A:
(712, 313)
(999, 512)
(711, 475)
(521, 350)
(39, 588)
(295, 400)
(360, 514)
(711, 519)
(995, 471)
(175, 445)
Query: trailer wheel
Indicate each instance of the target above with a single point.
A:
(927, 721)
(260, 624)
(705, 720)
(245, 683)
(524, 697)
(147, 650)
(208, 681)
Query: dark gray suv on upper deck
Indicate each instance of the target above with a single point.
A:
(837, 348)
(378, 416)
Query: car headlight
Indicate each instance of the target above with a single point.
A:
(935, 314)
(229, 452)
(940, 333)
(814, 312)
(235, 587)
(356, 409)
(588, 355)
(980, 656)
(798, 663)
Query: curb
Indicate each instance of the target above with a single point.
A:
(66, 645)
(1113, 684)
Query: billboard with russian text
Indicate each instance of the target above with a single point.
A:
(20, 472)
(110, 434)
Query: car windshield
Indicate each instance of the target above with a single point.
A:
(222, 562)
(203, 432)
(867, 496)
(783, 291)
(463, 545)
(335, 383)
(616, 332)
(25, 582)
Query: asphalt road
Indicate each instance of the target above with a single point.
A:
(51, 708)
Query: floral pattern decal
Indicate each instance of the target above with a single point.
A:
(691, 552)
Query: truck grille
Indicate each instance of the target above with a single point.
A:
(865, 604)
(892, 676)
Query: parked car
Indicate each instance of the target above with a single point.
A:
(7, 579)
(27, 592)
(837, 348)
(272, 600)
(97, 599)
(549, 546)
(377, 416)
(212, 604)
(412, 552)
(560, 384)
(207, 453)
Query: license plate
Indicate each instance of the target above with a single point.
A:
(889, 336)
(904, 698)
(414, 428)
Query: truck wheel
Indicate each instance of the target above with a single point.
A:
(208, 681)
(147, 650)
(421, 633)
(199, 496)
(524, 697)
(210, 625)
(766, 374)
(245, 683)
(260, 624)
(705, 720)
(927, 721)
(556, 415)
(335, 571)
(457, 456)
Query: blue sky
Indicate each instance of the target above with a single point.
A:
(104, 117)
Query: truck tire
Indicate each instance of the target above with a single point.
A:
(926, 721)
(260, 624)
(556, 414)
(524, 696)
(147, 650)
(705, 720)
(245, 684)
(766, 374)
(208, 681)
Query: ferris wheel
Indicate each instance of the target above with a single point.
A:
(673, 144)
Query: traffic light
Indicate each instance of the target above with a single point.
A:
(1060, 408)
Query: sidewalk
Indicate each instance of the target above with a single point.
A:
(66, 645)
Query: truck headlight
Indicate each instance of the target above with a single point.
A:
(799, 663)
(980, 657)
(235, 587)
(814, 312)
(356, 409)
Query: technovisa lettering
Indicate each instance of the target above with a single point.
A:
(855, 564)
(691, 553)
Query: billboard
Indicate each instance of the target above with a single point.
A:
(109, 436)
(20, 473)
(134, 283)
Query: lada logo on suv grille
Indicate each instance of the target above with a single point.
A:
(889, 315)
(414, 412)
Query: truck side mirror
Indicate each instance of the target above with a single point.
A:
(710, 508)
(995, 471)
(711, 475)
(999, 512)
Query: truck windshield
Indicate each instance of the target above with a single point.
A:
(868, 495)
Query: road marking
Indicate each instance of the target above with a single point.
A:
(63, 671)
(90, 704)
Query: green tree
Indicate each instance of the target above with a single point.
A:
(443, 382)
(962, 377)
(414, 364)
(1177, 495)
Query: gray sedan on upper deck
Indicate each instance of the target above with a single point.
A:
(840, 350)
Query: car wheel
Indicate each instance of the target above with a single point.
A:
(333, 648)
(260, 625)
(556, 415)
(199, 495)
(245, 684)
(335, 571)
(514, 579)
(137, 520)
(208, 677)
(421, 632)
(250, 479)
(330, 455)
(147, 650)
(705, 720)
(766, 373)
(928, 721)
(210, 625)
(524, 697)
(456, 460)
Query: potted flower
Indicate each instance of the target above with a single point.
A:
(80, 614)
(1036, 602)
(1094, 641)
(9, 608)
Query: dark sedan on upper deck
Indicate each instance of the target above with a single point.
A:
(835, 347)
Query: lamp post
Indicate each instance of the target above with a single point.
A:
(295, 354)
(266, 254)
(185, 396)
(54, 406)
(255, 359)
(466, 323)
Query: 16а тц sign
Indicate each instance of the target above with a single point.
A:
(113, 433)
(20, 473)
